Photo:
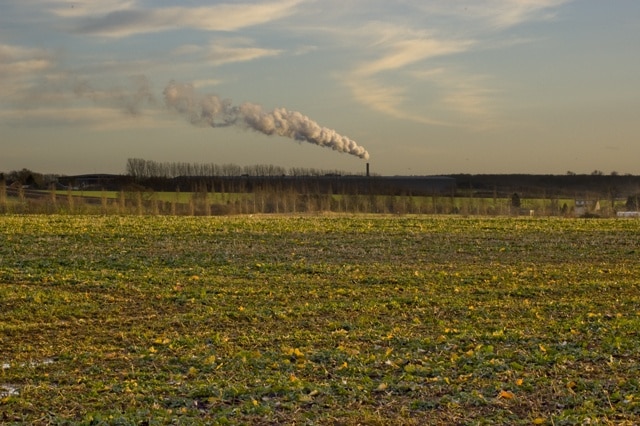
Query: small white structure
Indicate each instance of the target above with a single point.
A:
(628, 214)
(583, 207)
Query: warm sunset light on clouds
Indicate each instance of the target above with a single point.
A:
(423, 87)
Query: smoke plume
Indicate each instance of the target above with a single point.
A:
(210, 110)
(129, 100)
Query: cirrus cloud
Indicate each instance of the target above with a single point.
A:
(402, 55)
(237, 50)
(221, 17)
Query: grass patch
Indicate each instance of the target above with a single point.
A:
(331, 320)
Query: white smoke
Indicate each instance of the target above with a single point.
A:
(210, 110)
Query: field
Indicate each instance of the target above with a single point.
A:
(141, 202)
(319, 320)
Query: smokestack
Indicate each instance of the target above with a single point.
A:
(215, 112)
(367, 169)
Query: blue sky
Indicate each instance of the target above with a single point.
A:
(414, 87)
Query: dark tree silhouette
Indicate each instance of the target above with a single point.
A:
(633, 202)
(515, 200)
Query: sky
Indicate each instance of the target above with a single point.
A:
(413, 87)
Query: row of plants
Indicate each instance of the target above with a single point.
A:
(140, 201)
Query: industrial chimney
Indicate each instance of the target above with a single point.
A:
(367, 169)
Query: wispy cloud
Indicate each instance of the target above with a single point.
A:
(509, 13)
(79, 8)
(490, 14)
(236, 50)
(467, 97)
(220, 17)
(97, 118)
(37, 90)
(387, 62)
(403, 55)
(19, 66)
(388, 100)
(226, 51)
(16, 60)
(395, 49)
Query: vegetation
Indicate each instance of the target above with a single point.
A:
(318, 320)
(172, 188)
(138, 200)
(140, 168)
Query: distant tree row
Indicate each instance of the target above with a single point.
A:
(28, 178)
(143, 169)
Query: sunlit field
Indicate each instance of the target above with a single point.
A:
(319, 320)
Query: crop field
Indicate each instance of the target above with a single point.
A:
(319, 319)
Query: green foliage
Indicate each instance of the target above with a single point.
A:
(318, 320)
(140, 201)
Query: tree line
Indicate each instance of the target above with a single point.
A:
(145, 169)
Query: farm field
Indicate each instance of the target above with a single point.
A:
(261, 202)
(185, 197)
(332, 319)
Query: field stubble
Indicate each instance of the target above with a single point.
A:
(330, 320)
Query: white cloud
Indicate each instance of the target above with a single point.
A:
(230, 51)
(19, 66)
(220, 17)
(23, 66)
(395, 49)
(18, 60)
(383, 63)
(508, 13)
(226, 51)
(397, 53)
(490, 14)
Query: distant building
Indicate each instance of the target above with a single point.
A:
(18, 185)
(95, 181)
(584, 207)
